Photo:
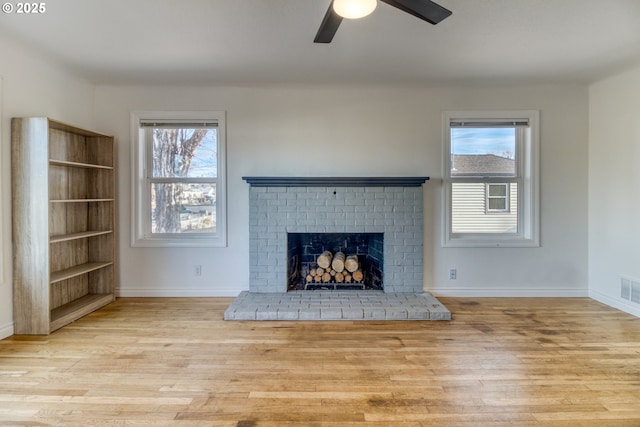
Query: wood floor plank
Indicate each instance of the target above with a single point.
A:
(176, 363)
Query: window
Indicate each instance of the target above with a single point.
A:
(497, 199)
(491, 178)
(179, 196)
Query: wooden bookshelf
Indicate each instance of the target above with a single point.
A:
(63, 223)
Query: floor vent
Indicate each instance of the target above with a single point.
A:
(630, 289)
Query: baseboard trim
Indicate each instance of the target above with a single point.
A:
(443, 292)
(176, 293)
(6, 331)
(629, 308)
(508, 293)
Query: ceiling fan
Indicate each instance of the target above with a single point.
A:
(352, 9)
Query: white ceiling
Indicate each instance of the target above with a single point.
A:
(249, 42)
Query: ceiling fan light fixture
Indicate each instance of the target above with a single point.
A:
(354, 9)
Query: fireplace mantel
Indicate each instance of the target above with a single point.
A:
(366, 181)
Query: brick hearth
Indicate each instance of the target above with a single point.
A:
(336, 305)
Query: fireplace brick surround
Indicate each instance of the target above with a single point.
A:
(393, 206)
(388, 206)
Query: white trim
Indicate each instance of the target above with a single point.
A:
(528, 179)
(6, 331)
(2, 241)
(447, 291)
(176, 293)
(138, 213)
(627, 307)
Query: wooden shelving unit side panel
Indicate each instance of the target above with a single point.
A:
(30, 225)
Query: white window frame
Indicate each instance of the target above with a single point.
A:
(141, 235)
(527, 179)
(506, 197)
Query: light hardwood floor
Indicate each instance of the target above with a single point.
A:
(175, 362)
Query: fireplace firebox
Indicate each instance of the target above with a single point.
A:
(308, 267)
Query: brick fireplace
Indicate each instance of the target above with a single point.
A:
(389, 207)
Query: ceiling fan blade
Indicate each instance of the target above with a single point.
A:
(423, 9)
(329, 26)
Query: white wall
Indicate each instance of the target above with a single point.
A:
(614, 187)
(30, 87)
(363, 131)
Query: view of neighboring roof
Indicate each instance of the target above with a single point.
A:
(484, 164)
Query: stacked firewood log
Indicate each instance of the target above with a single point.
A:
(335, 268)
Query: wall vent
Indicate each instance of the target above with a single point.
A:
(625, 288)
(635, 292)
(630, 289)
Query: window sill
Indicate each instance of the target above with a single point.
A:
(183, 242)
(473, 241)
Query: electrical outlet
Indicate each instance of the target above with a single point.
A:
(197, 270)
(453, 274)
